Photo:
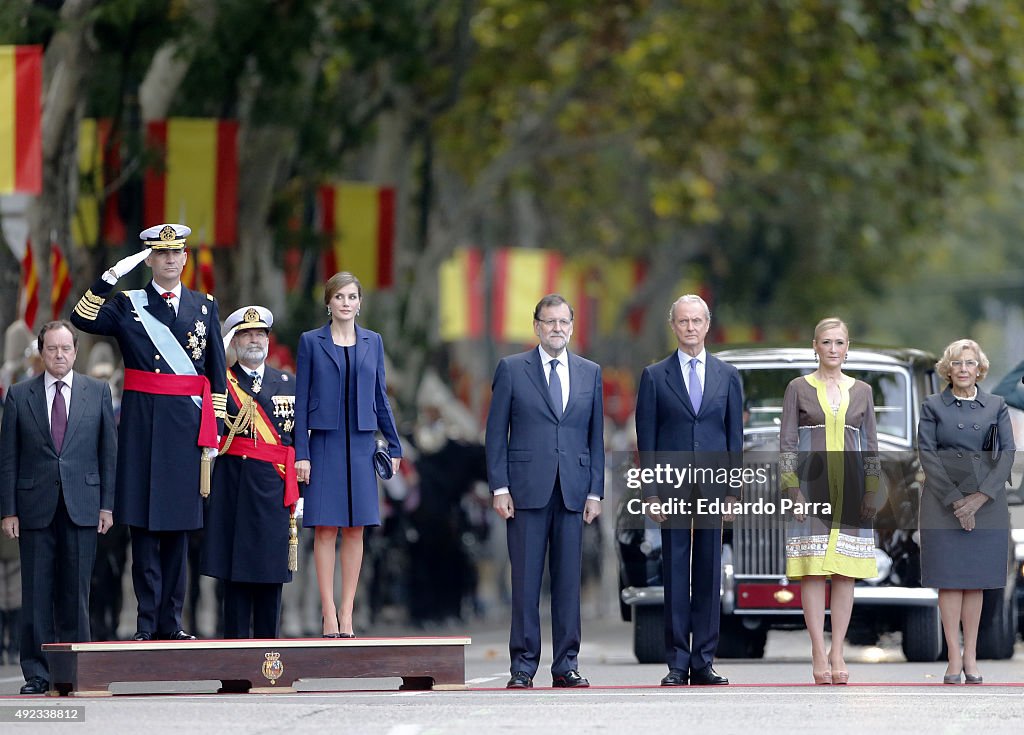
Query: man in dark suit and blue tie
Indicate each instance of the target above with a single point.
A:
(58, 453)
(690, 407)
(545, 466)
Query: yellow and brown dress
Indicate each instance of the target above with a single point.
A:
(831, 454)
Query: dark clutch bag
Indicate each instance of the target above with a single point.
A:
(991, 443)
(382, 461)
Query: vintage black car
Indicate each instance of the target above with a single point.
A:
(756, 595)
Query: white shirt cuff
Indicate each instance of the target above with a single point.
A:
(501, 491)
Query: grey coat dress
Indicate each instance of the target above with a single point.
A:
(951, 436)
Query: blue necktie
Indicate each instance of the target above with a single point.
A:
(555, 388)
(696, 394)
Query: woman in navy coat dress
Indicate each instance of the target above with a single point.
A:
(340, 402)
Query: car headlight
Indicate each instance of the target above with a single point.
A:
(884, 563)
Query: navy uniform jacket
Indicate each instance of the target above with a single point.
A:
(246, 538)
(32, 475)
(158, 459)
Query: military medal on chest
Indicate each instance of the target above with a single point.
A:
(284, 408)
(197, 340)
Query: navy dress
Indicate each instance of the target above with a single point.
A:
(342, 487)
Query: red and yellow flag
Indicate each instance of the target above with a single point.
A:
(204, 268)
(522, 276)
(21, 117)
(28, 300)
(361, 221)
(198, 271)
(461, 288)
(98, 158)
(197, 182)
(60, 278)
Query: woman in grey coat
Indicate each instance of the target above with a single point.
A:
(966, 445)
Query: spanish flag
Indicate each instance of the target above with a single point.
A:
(60, 277)
(360, 219)
(198, 272)
(28, 300)
(21, 95)
(522, 276)
(461, 289)
(195, 181)
(98, 158)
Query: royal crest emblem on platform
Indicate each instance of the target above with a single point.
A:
(272, 667)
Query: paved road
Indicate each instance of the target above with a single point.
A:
(887, 694)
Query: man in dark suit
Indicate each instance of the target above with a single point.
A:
(248, 518)
(58, 450)
(171, 416)
(691, 405)
(545, 466)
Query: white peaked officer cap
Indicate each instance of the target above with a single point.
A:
(165, 237)
(247, 317)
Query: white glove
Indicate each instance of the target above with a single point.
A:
(298, 507)
(125, 266)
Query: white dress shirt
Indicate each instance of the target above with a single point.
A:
(563, 371)
(684, 365)
(50, 384)
(176, 301)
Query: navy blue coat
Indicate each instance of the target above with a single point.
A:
(528, 445)
(158, 459)
(666, 421)
(319, 382)
(246, 533)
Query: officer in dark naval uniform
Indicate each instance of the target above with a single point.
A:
(250, 539)
(171, 416)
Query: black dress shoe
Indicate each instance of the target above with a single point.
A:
(707, 677)
(569, 680)
(675, 678)
(36, 685)
(346, 635)
(142, 635)
(520, 680)
(178, 635)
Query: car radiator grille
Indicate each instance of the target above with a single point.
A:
(759, 539)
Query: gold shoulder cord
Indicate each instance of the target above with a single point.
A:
(241, 423)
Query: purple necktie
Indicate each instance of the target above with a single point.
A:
(58, 416)
(696, 394)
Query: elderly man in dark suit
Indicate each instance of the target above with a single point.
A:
(172, 412)
(691, 404)
(58, 449)
(545, 466)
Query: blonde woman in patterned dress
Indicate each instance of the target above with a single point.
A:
(829, 454)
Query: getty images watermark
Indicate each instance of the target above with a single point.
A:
(727, 482)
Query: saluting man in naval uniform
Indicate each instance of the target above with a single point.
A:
(249, 529)
(172, 413)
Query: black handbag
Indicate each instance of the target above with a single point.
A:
(382, 461)
(991, 443)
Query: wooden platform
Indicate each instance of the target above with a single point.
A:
(256, 666)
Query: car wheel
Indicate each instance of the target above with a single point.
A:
(998, 632)
(649, 634)
(735, 640)
(922, 634)
(625, 611)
